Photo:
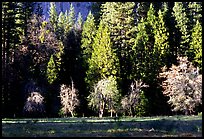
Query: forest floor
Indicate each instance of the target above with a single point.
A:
(161, 126)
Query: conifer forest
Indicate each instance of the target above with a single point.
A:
(124, 59)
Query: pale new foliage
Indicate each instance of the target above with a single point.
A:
(105, 96)
(183, 85)
(34, 105)
(69, 100)
(130, 101)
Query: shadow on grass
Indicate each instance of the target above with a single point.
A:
(105, 127)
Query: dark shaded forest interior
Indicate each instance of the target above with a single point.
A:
(124, 59)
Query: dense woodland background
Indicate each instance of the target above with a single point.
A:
(118, 61)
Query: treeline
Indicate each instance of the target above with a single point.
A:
(116, 61)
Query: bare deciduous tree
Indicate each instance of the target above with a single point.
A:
(183, 85)
(69, 99)
(130, 101)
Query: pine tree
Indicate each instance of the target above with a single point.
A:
(139, 50)
(53, 15)
(79, 22)
(195, 12)
(9, 37)
(66, 21)
(70, 19)
(88, 34)
(183, 26)
(15, 19)
(96, 10)
(141, 11)
(24, 11)
(119, 17)
(161, 37)
(103, 62)
(51, 70)
(196, 44)
(61, 26)
(174, 33)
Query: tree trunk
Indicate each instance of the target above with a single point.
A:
(101, 113)
(72, 114)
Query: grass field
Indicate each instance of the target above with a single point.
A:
(162, 126)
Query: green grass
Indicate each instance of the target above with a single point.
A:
(102, 127)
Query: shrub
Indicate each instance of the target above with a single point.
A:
(34, 105)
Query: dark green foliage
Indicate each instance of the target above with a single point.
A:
(96, 10)
(196, 45)
(182, 23)
(88, 34)
(61, 26)
(141, 12)
(15, 19)
(125, 41)
(142, 108)
(119, 17)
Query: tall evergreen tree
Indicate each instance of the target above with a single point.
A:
(88, 34)
(182, 23)
(139, 57)
(15, 19)
(71, 17)
(61, 26)
(119, 17)
(9, 37)
(103, 62)
(66, 21)
(194, 12)
(96, 11)
(24, 12)
(79, 22)
(51, 70)
(53, 15)
(174, 33)
(141, 11)
(161, 36)
(196, 44)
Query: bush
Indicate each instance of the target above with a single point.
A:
(34, 105)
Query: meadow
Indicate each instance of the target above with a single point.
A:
(158, 126)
